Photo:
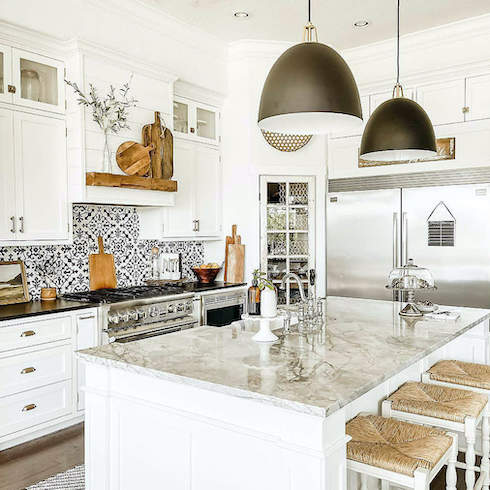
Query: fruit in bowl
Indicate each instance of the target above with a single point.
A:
(206, 273)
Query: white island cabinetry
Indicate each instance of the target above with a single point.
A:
(220, 411)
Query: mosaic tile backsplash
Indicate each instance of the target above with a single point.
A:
(67, 265)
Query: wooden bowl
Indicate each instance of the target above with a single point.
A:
(48, 294)
(206, 276)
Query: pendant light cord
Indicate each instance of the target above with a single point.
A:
(309, 10)
(398, 45)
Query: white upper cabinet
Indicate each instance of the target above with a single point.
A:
(477, 98)
(179, 220)
(443, 101)
(196, 121)
(33, 204)
(7, 172)
(5, 73)
(207, 179)
(38, 81)
(41, 177)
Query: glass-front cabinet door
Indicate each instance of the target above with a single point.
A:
(196, 121)
(5, 74)
(38, 81)
(287, 231)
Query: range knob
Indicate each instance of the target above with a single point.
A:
(180, 307)
(154, 312)
(114, 318)
(171, 308)
(132, 315)
(142, 314)
(123, 316)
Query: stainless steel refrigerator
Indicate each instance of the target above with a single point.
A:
(445, 229)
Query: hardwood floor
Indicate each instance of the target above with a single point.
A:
(37, 460)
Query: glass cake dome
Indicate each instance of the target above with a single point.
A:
(410, 276)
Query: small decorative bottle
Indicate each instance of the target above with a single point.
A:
(254, 297)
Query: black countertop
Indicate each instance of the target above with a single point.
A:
(35, 308)
(199, 287)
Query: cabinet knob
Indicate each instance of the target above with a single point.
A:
(192, 130)
(28, 333)
(12, 89)
(466, 109)
(28, 370)
(31, 406)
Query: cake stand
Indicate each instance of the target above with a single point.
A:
(264, 334)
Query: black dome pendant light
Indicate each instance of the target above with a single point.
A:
(309, 90)
(399, 129)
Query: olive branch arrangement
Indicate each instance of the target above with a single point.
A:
(262, 281)
(109, 112)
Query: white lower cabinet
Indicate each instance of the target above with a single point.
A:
(34, 203)
(40, 378)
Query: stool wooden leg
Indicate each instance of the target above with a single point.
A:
(469, 432)
(364, 482)
(451, 477)
(485, 446)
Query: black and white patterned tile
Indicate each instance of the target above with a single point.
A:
(67, 265)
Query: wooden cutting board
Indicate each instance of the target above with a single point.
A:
(102, 269)
(234, 257)
(134, 158)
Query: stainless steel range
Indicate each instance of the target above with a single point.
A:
(129, 314)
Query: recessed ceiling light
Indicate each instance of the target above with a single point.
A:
(241, 14)
(361, 23)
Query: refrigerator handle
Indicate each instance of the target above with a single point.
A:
(396, 261)
(405, 239)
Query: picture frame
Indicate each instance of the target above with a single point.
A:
(13, 283)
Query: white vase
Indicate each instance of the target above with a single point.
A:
(106, 159)
(268, 303)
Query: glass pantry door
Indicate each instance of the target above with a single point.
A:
(39, 81)
(287, 231)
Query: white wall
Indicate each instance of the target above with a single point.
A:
(130, 28)
(246, 155)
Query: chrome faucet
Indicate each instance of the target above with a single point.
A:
(292, 275)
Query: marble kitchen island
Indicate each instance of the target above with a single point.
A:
(209, 408)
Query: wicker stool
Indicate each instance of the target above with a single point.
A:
(466, 376)
(397, 452)
(448, 408)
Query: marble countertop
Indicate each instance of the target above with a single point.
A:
(364, 342)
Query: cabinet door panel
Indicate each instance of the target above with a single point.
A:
(208, 191)
(443, 102)
(5, 73)
(39, 81)
(180, 217)
(7, 172)
(41, 176)
(478, 97)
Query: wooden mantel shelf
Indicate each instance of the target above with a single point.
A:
(130, 182)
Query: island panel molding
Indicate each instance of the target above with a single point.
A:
(67, 265)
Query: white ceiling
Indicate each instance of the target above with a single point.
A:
(283, 20)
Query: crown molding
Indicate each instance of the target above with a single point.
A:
(198, 94)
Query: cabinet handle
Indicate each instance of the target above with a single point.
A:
(28, 333)
(197, 225)
(88, 317)
(28, 370)
(21, 224)
(13, 229)
(12, 89)
(31, 406)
